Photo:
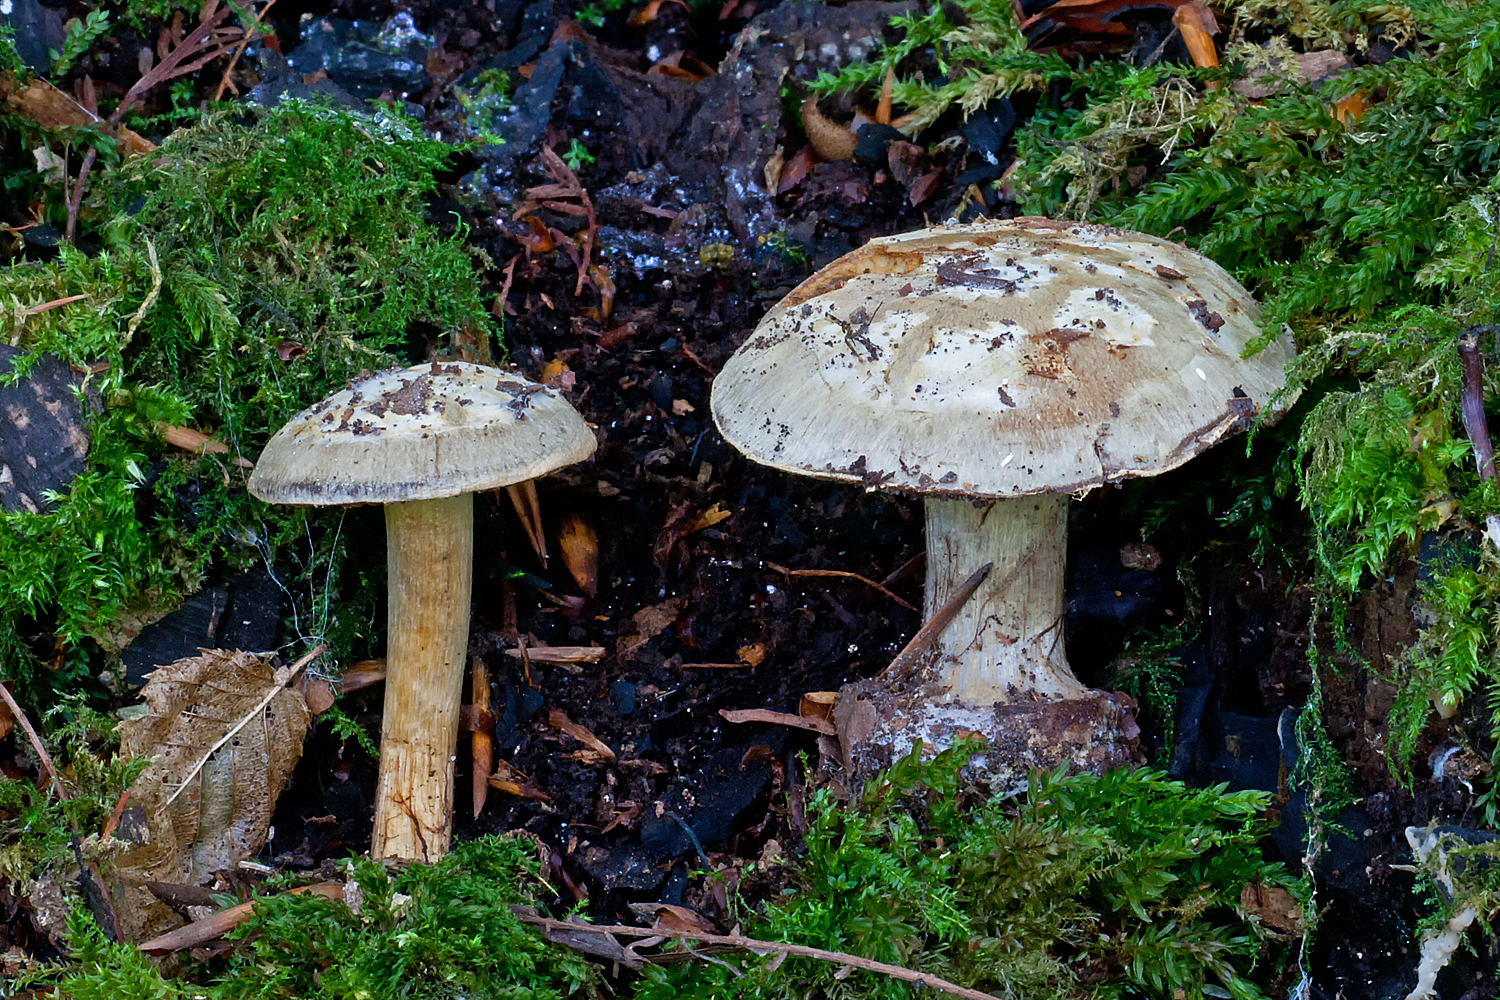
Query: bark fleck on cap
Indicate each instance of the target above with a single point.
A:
(1000, 359)
(435, 430)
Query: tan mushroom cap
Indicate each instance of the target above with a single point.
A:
(999, 359)
(421, 433)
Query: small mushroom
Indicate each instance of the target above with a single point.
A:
(993, 369)
(421, 441)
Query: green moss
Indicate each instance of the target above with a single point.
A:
(425, 932)
(38, 828)
(1124, 884)
(253, 265)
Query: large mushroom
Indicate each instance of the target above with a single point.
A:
(421, 441)
(994, 369)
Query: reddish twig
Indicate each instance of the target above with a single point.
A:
(928, 633)
(759, 947)
(174, 65)
(568, 186)
(845, 574)
(239, 49)
(1471, 404)
(44, 759)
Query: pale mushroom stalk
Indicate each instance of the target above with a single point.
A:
(421, 442)
(1007, 638)
(993, 370)
(430, 566)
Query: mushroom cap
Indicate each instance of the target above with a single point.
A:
(420, 433)
(1000, 359)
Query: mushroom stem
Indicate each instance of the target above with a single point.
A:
(1006, 642)
(430, 557)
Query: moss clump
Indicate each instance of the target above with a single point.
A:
(426, 932)
(39, 829)
(1089, 887)
(253, 264)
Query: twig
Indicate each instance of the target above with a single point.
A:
(216, 925)
(1471, 404)
(281, 682)
(764, 947)
(170, 67)
(929, 632)
(840, 573)
(44, 759)
(239, 49)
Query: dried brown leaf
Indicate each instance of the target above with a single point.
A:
(222, 816)
(579, 547)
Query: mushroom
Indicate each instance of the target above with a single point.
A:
(993, 369)
(421, 441)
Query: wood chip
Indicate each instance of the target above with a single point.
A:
(560, 721)
(809, 722)
(560, 654)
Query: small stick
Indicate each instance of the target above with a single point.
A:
(762, 947)
(281, 682)
(238, 49)
(901, 572)
(1471, 404)
(529, 510)
(113, 823)
(928, 633)
(216, 925)
(482, 739)
(44, 759)
(560, 654)
(845, 574)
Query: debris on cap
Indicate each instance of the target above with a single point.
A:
(435, 430)
(1000, 359)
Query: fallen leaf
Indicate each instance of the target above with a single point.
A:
(512, 782)
(817, 704)
(771, 172)
(752, 654)
(1273, 906)
(795, 169)
(707, 519)
(224, 814)
(579, 547)
(1139, 555)
(481, 738)
(649, 13)
(649, 623)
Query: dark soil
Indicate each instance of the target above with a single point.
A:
(696, 251)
